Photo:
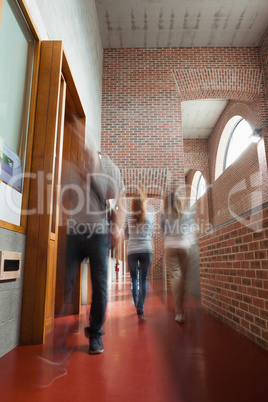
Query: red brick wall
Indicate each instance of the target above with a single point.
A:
(233, 258)
(141, 123)
(234, 276)
(264, 58)
(196, 155)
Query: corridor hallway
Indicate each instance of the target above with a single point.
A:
(160, 360)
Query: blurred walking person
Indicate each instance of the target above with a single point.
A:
(89, 234)
(178, 227)
(139, 232)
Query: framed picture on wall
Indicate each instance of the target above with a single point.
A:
(10, 167)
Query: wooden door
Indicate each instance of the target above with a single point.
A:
(56, 89)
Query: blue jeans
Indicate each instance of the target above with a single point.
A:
(95, 248)
(139, 264)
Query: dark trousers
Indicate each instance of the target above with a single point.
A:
(139, 264)
(94, 247)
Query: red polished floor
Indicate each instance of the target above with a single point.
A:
(160, 360)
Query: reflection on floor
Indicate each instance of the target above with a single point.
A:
(160, 360)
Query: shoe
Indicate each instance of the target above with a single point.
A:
(142, 318)
(179, 318)
(95, 345)
(87, 332)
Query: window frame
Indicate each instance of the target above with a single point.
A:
(194, 187)
(32, 105)
(229, 142)
(197, 187)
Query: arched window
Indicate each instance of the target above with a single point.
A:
(235, 138)
(201, 187)
(238, 141)
(198, 187)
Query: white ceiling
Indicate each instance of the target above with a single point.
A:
(200, 116)
(184, 23)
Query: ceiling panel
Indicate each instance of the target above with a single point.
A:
(200, 116)
(184, 23)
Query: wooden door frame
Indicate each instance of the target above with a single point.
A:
(53, 65)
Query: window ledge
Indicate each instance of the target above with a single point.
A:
(10, 226)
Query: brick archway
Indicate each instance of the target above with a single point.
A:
(152, 181)
(213, 83)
